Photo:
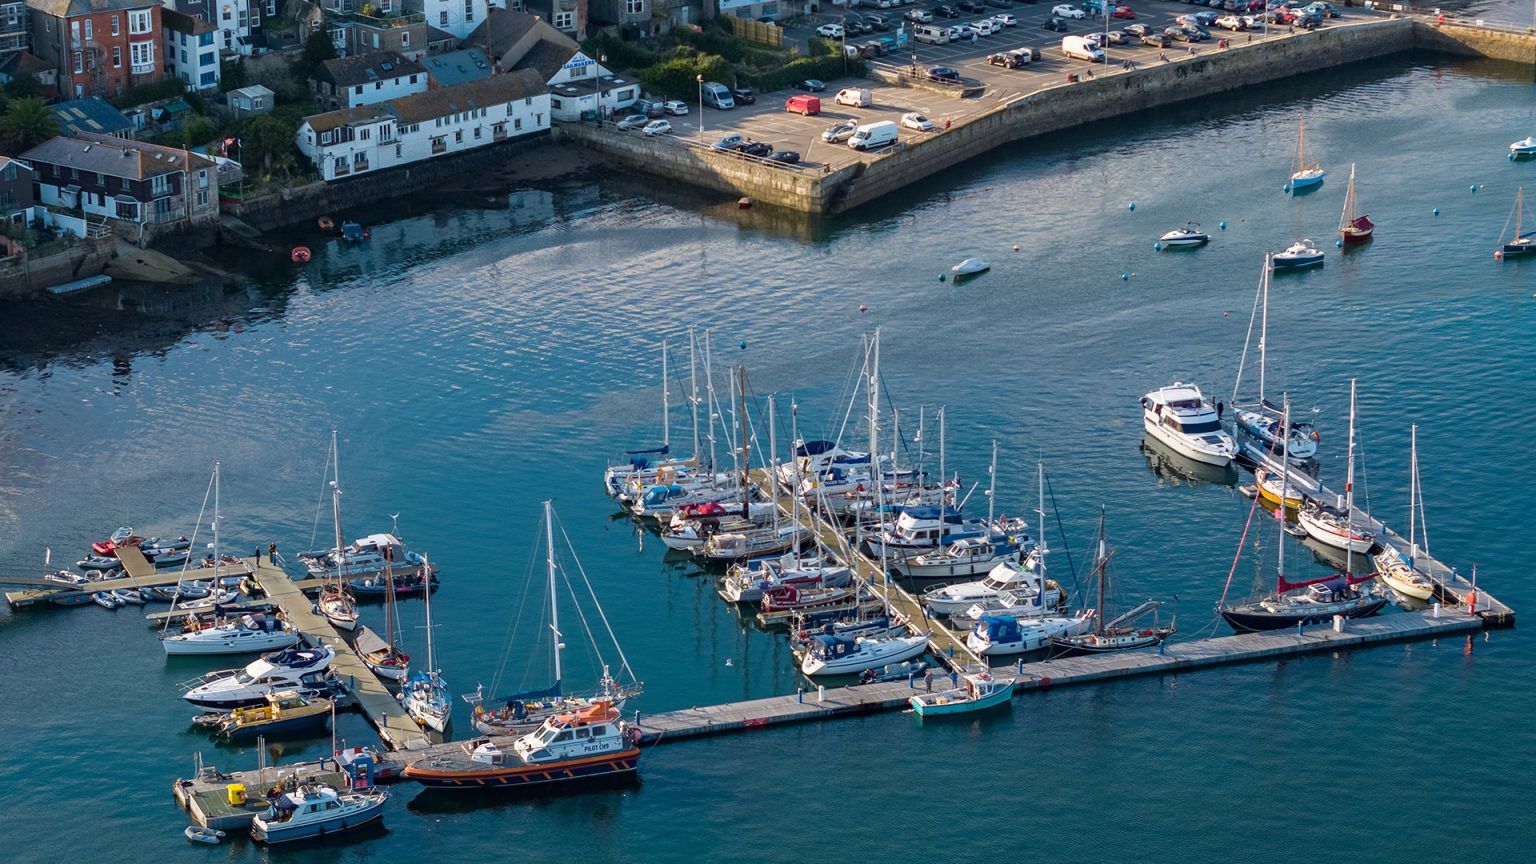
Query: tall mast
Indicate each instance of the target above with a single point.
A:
(773, 465)
(389, 595)
(336, 504)
(992, 485)
(874, 460)
(693, 389)
(943, 476)
(745, 452)
(216, 553)
(1285, 482)
(1040, 542)
(1349, 489)
(431, 663)
(1264, 331)
(1349, 201)
(1413, 493)
(1098, 617)
(554, 605)
(709, 389)
(666, 403)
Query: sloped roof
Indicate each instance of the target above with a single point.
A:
(502, 30)
(103, 154)
(423, 107)
(458, 67)
(71, 8)
(17, 63)
(366, 68)
(547, 57)
(91, 114)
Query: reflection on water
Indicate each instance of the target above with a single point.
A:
(1179, 470)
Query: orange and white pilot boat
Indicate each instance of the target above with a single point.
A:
(581, 745)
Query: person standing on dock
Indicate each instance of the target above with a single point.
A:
(928, 681)
(272, 553)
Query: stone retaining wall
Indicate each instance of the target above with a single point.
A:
(1455, 37)
(62, 261)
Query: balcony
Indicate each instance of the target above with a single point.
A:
(387, 22)
(439, 145)
(360, 166)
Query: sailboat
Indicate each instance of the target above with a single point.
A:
(768, 541)
(381, 655)
(425, 696)
(1520, 244)
(971, 555)
(336, 601)
(1395, 568)
(1307, 174)
(1112, 635)
(529, 709)
(641, 466)
(1294, 603)
(1354, 227)
(1261, 421)
(1331, 525)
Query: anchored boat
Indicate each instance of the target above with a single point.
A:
(1187, 237)
(1111, 635)
(316, 810)
(587, 744)
(979, 692)
(1307, 174)
(1354, 227)
(1182, 419)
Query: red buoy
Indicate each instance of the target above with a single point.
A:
(300, 255)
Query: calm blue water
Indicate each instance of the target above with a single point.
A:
(478, 359)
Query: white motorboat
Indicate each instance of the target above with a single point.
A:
(747, 582)
(1524, 147)
(966, 557)
(1297, 256)
(996, 635)
(970, 267)
(814, 458)
(1185, 237)
(838, 655)
(302, 669)
(926, 529)
(364, 557)
(1183, 420)
(247, 634)
(1006, 576)
(316, 810)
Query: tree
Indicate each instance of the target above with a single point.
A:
(318, 48)
(23, 86)
(28, 124)
(267, 143)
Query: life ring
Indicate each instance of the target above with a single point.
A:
(300, 255)
(635, 735)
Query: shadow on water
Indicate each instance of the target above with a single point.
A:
(595, 790)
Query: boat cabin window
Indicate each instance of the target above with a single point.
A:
(564, 736)
(583, 733)
(331, 805)
(598, 731)
(1201, 427)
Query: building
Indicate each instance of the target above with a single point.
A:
(567, 16)
(14, 23)
(458, 67)
(580, 86)
(363, 79)
(439, 122)
(139, 188)
(19, 64)
(17, 196)
(249, 101)
(623, 13)
(408, 35)
(191, 50)
(458, 17)
(509, 37)
(237, 22)
(93, 115)
(100, 47)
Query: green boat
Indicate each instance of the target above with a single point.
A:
(980, 691)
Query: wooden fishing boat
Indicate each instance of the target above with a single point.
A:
(1354, 227)
(979, 692)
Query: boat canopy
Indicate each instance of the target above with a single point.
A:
(662, 451)
(998, 628)
(829, 647)
(815, 448)
(516, 700)
(933, 514)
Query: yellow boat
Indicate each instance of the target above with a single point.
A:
(283, 713)
(1270, 487)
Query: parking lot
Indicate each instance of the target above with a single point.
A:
(767, 120)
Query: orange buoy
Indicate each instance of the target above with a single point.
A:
(327, 223)
(300, 255)
(744, 203)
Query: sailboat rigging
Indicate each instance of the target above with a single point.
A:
(1261, 420)
(1307, 174)
(1111, 634)
(1354, 227)
(1521, 243)
(425, 696)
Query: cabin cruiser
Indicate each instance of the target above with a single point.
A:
(1264, 427)
(590, 743)
(746, 583)
(301, 669)
(1296, 256)
(246, 634)
(925, 529)
(365, 557)
(842, 655)
(1021, 580)
(1188, 236)
(316, 810)
(1184, 421)
(963, 558)
(1524, 147)
(814, 458)
(996, 635)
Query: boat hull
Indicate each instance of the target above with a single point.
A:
(1296, 262)
(1407, 587)
(1353, 236)
(1254, 622)
(925, 706)
(231, 644)
(282, 834)
(282, 726)
(526, 776)
(1183, 446)
(1337, 537)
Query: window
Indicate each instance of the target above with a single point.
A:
(469, 10)
(477, 133)
(202, 198)
(405, 42)
(74, 32)
(579, 72)
(226, 12)
(325, 137)
(378, 85)
(366, 133)
(443, 18)
(160, 185)
(209, 79)
(88, 35)
(207, 59)
(90, 60)
(138, 22)
(375, 40)
(101, 179)
(413, 79)
(439, 144)
(79, 62)
(202, 179)
(634, 7)
(397, 151)
(126, 185)
(517, 123)
(458, 137)
(565, 20)
(117, 56)
(141, 55)
(358, 90)
(116, 27)
(271, 8)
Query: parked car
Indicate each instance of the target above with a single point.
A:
(755, 148)
(657, 127)
(1057, 24)
(1093, 7)
(1007, 60)
(1066, 11)
(1205, 19)
(840, 133)
(1000, 4)
(1197, 33)
(810, 85)
(983, 27)
(920, 16)
(872, 48)
(1005, 20)
(1097, 40)
(942, 73)
(877, 22)
(1118, 37)
(945, 12)
(1231, 22)
(1327, 10)
(1138, 30)
(744, 96)
(1155, 40)
(633, 121)
(675, 107)
(803, 105)
(855, 26)
(729, 142)
(1124, 13)
(830, 31)
(1177, 34)
(786, 157)
(768, 20)
(971, 6)
(914, 120)
(959, 33)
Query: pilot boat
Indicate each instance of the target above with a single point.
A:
(581, 745)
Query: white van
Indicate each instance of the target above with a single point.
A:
(931, 34)
(854, 97)
(874, 136)
(716, 95)
(1078, 48)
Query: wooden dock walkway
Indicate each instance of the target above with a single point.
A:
(140, 574)
(387, 715)
(1176, 657)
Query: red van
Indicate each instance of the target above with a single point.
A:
(804, 105)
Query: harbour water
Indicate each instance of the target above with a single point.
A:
(481, 356)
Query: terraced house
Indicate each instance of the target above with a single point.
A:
(100, 47)
(440, 122)
(140, 189)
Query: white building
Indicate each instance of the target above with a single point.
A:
(581, 86)
(238, 20)
(459, 17)
(423, 126)
(364, 79)
(191, 49)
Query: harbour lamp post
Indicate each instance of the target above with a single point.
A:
(700, 78)
(597, 87)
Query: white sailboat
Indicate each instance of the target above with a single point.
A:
(381, 655)
(1334, 525)
(525, 710)
(425, 696)
(1307, 174)
(336, 602)
(1261, 422)
(1393, 567)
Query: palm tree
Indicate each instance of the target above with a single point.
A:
(27, 124)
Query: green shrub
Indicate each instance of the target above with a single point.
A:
(170, 88)
(621, 55)
(677, 78)
(805, 67)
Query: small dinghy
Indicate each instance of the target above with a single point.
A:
(1297, 256)
(1187, 237)
(970, 267)
(129, 595)
(106, 600)
(211, 836)
(1524, 147)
